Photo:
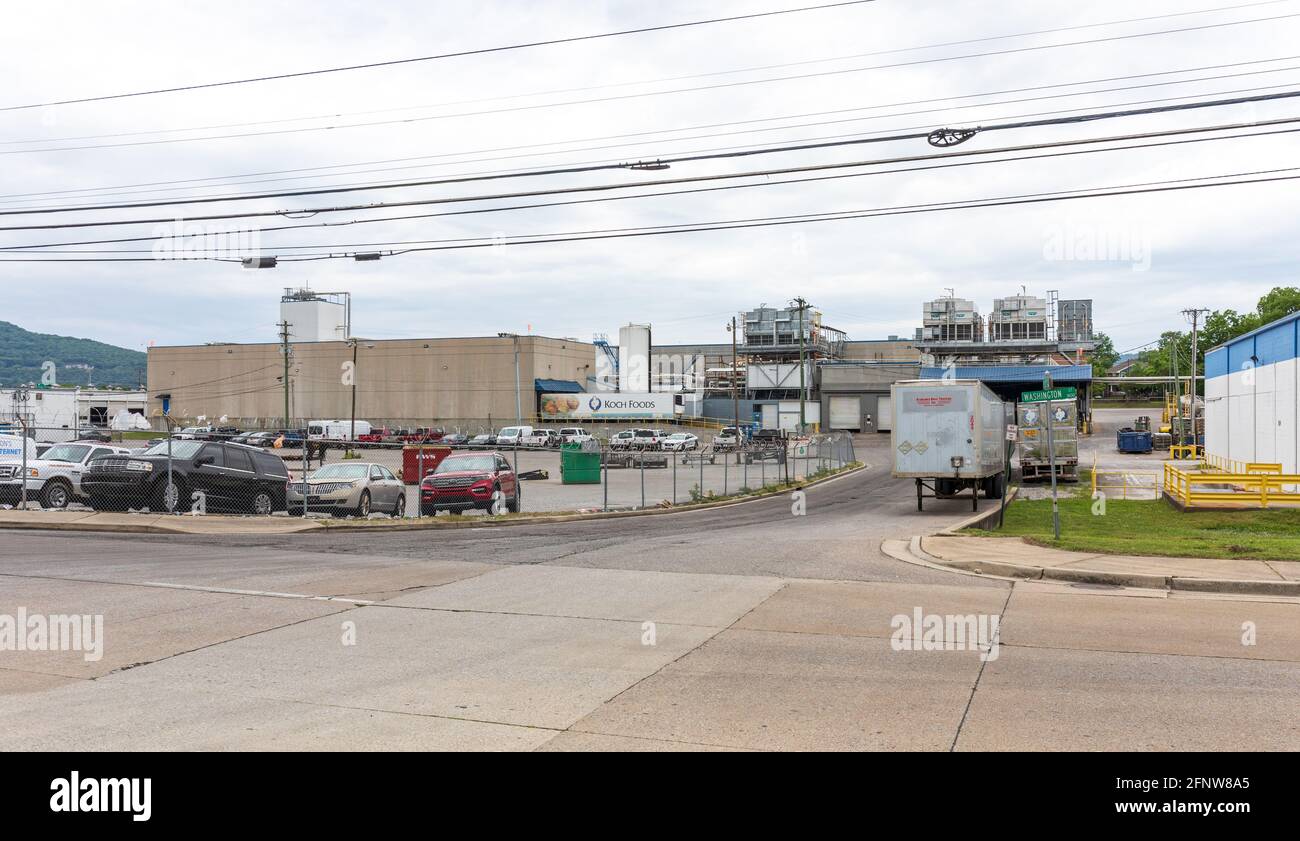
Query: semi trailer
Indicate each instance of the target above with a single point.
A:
(950, 436)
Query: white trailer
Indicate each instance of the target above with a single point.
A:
(951, 434)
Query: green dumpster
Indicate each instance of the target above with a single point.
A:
(578, 465)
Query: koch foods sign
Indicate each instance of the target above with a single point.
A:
(609, 404)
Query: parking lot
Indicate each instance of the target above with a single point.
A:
(625, 480)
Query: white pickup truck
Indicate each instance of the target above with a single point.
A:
(54, 479)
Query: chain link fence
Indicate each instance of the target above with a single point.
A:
(399, 472)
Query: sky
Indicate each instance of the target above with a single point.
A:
(1141, 258)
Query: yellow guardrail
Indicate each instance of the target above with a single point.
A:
(1254, 490)
(1229, 465)
(1186, 451)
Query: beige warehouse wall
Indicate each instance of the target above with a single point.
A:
(417, 379)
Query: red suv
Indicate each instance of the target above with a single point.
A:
(469, 480)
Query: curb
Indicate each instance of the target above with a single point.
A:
(981, 517)
(1026, 572)
(433, 523)
(421, 523)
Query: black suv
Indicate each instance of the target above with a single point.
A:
(231, 477)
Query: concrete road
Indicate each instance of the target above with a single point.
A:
(744, 628)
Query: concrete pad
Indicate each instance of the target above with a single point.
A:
(1288, 570)
(1186, 567)
(1164, 626)
(571, 742)
(1038, 699)
(675, 598)
(779, 691)
(1010, 550)
(17, 681)
(864, 608)
(134, 715)
(143, 624)
(379, 583)
(529, 670)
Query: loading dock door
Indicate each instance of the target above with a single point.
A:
(844, 413)
(884, 413)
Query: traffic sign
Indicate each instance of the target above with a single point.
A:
(1012, 431)
(1065, 393)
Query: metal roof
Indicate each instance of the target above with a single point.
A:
(557, 386)
(1013, 373)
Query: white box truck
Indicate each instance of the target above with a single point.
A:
(949, 435)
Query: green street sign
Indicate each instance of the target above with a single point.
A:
(1066, 393)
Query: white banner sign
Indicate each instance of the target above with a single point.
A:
(607, 405)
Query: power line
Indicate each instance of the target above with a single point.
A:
(718, 86)
(1081, 118)
(769, 150)
(414, 60)
(525, 172)
(335, 115)
(32, 249)
(774, 221)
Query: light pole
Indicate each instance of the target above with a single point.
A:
(519, 405)
(803, 389)
(735, 398)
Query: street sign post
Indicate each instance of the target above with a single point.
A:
(1047, 395)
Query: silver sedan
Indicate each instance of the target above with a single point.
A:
(350, 488)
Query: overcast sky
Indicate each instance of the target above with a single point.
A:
(1216, 248)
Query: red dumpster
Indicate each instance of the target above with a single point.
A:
(415, 468)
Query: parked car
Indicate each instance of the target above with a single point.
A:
(231, 477)
(97, 435)
(54, 479)
(469, 480)
(350, 488)
(483, 441)
(647, 439)
(622, 440)
(728, 438)
(512, 436)
(574, 435)
(256, 439)
(681, 442)
(454, 439)
(541, 438)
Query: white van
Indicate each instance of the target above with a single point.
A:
(12, 446)
(513, 436)
(335, 430)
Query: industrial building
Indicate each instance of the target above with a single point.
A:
(1252, 396)
(781, 365)
(59, 414)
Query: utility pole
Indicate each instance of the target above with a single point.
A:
(803, 393)
(1194, 315)
(284, 351)
(735, 394)
(352, 433)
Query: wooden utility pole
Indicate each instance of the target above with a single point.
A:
(284, 351)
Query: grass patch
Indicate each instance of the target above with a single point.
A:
(1153, 527)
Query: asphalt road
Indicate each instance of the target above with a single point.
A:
(738, 628)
